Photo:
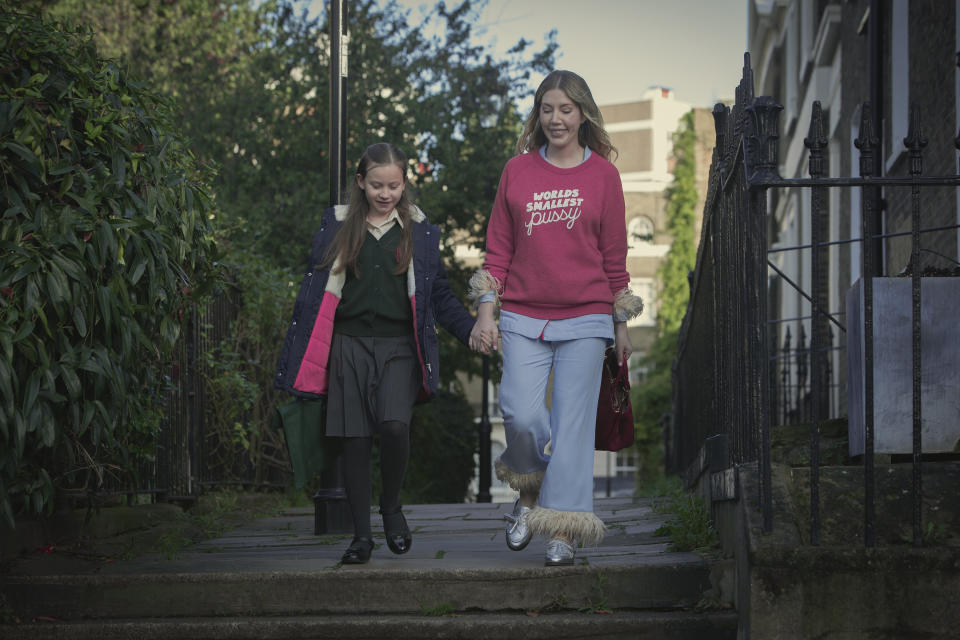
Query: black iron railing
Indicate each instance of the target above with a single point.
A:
(738, 369)
(190, 449)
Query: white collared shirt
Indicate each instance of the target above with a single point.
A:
(379, 230)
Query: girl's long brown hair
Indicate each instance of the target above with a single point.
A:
(352, 234)
(591, 133)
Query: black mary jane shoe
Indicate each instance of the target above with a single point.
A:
(396, 531)
(358, 552)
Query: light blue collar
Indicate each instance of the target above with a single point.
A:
(586, 154)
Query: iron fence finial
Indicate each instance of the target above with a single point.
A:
(867, 141)
(815, 141)
(760, 137)
(915, 142)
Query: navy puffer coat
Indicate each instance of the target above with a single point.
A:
(303, 368)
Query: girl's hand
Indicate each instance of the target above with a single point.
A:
(484, 335)
(622, 341)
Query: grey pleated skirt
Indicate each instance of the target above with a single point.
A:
(372, 380)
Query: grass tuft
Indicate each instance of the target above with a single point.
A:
(689, 527)
(441, 609)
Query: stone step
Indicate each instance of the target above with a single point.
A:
(660, 583)
(459, 564)
(621, 625)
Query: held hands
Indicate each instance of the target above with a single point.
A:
(483, 337)
(485, 334)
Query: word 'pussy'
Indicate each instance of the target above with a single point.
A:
(538, 218)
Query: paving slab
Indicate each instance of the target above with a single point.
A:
(445, 536)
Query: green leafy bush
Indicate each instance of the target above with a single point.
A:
(240, 442)
(443, 440)
(104, 235)
(652, 398)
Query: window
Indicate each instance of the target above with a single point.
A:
(640, 229)
(626, 464)
(644, 287)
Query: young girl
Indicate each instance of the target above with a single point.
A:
(363, 334)
(556, 262)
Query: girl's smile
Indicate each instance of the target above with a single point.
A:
(382, 186)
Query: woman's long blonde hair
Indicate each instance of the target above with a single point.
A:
(591, 133)
(351, 236)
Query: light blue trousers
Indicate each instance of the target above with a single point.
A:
(569, 424)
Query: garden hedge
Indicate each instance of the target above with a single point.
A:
(104, 236)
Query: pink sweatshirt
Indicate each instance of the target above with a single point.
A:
(557, 238)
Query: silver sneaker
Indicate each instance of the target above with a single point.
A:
(559, 552)
(518, 531)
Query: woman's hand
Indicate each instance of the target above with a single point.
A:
(484, 335)
(621, 339)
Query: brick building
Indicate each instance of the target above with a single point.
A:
(804, 51)
(643, 134)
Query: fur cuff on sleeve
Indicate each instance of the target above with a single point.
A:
(626, 305)
(481, 283)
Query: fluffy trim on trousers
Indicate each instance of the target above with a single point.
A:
(583, 526)
(523, 482)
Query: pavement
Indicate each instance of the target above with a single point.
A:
(445, 536)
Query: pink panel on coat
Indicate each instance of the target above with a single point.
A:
(314, 369)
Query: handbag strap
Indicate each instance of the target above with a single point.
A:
(623, 373)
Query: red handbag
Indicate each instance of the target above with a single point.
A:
(614, 412)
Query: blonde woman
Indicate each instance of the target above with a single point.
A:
(556, 263)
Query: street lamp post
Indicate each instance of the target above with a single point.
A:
(331, 511)
(339, 39)
(483, 466)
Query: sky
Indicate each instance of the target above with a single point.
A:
(623, 47)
